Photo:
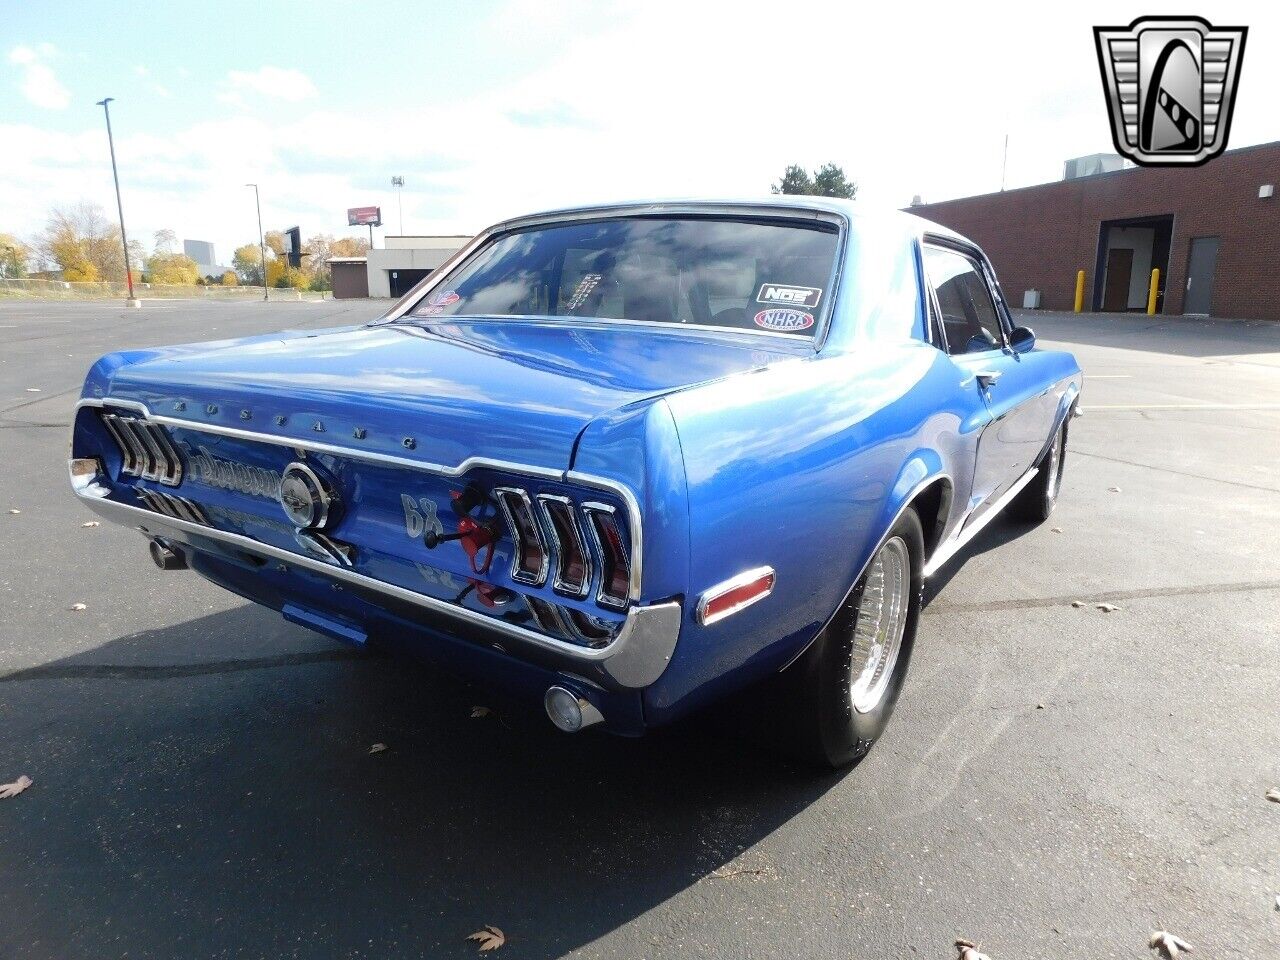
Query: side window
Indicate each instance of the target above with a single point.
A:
(969, 315)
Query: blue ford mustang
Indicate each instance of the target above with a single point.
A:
(629, 458)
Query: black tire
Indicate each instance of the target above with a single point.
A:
(817, 702)
(1038, 498)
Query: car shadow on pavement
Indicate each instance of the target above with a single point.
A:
(191, 799)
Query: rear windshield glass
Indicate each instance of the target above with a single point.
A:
(743, 274)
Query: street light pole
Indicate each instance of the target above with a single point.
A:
(124, 240)
(262, 247)
(398, 183)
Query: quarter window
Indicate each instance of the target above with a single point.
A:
(969, 315)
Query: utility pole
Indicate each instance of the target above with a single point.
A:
(262, 246)
(1004, 164)
(398, 183)
(124, 240)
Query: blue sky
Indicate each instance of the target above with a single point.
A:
(498, 107)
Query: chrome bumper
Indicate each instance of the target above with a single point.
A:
(635, 658)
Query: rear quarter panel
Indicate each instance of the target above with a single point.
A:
(801, 466)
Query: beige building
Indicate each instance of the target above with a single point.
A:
(403, 261)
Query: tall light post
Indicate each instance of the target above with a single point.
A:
(124, 240)
(262, 246)
(398, 183)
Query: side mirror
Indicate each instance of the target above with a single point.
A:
(1022, 339)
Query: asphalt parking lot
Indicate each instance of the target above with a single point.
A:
(1058, 781)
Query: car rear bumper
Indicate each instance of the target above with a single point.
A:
(634, 659)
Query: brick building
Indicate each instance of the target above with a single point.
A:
(1213, 231)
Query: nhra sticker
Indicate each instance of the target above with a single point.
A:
(443, 299)
(794, 296)
(784, 321)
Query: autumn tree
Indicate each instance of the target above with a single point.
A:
(229, 279)
(247, 261)
(14, 255)
(274, 239)
(320, 249)
(166, 241)
(827, 181)
(84, 244)
(172, 269)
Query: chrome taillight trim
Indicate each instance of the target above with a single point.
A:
(558, 582)
(180, 508)
(592, 511)
(518, 573)
(145, 449)
(546, 616)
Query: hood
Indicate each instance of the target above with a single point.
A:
(520, 391)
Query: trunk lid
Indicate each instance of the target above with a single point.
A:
(518, 391)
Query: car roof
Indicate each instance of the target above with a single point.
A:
(897, 221)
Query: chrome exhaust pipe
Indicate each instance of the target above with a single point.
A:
(165, 557)
(570, 712)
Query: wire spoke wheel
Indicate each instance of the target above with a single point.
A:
(1054, 467)
(882, 619)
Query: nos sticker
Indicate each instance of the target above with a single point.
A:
(795, 296)
(443, 299)
(785, 321)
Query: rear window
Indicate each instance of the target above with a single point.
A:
(742, 274)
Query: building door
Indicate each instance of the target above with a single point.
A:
(1200, 268)
(1115, 294)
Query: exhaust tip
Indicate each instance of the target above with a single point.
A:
(570, 712)
(165, 557)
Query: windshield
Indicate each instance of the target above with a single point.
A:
(751, 275)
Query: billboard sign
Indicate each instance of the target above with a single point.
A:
(364, 216)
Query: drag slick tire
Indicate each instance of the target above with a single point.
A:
(837, 698)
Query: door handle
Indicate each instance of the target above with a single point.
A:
(986, 378)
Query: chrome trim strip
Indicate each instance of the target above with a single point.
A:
(733, 583)
(588, 572)
(619, 490)
(156, 466)
(173, 461)
(128, 459)
(589, 509)
(518, 574)
(949, 549)
(636, 657)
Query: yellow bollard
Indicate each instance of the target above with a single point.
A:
(1151, 294)
(1079, 290)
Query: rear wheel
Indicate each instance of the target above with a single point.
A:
(840, 694)
(1040, 496)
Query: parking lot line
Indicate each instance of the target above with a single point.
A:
(1184, 406)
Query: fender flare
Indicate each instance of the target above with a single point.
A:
(922, 470)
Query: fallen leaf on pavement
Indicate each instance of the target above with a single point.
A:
(91, 523)
(490, 938)
(33, 389)
(14, 510)
(969, 951)
(377, 748)
(1168, 945)
(1108, 607)
(1055, 530)
(8, 790)
(478, 712)
(79, 606)
(1077, 604)
(1274, 795)
(1114, 489)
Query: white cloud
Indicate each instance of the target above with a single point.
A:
(276, 83)
(904, 109)
(39, 84)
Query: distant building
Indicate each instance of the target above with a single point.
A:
(1211, 231)
(201, 251)
(404, 261)
(350, 277)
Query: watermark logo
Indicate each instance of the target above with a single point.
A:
(1171, 86)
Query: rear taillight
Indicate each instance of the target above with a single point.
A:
(145, 449)
(573, 563)
(615, 567)
(530, 561)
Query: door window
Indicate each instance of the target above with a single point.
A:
(969, 316)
